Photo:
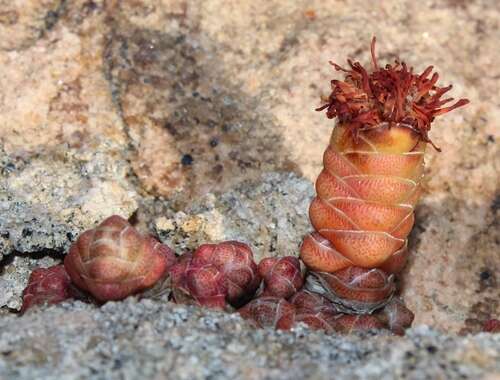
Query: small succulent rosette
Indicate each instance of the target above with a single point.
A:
(113, 260)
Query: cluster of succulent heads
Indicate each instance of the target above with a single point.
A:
(113, 261)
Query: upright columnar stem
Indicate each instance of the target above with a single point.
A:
(370, 182)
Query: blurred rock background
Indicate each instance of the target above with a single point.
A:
(195, 119)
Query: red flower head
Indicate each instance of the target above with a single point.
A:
(235, 261)
(282, 276)
(46, 286)
(392, 94)
(113, 260)
(271, 312)
(354, 289)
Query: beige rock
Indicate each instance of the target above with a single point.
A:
(23, 22)
(103, 101)
(269, 214)
(62, 143)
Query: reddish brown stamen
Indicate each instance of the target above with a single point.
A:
(393, 94)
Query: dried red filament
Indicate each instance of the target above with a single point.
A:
(46, 286)
(393, 94)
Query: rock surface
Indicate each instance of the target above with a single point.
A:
(270, 215)
(134, 340)
(15, 276)
(190, 117)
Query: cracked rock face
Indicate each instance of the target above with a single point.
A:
(195, 120)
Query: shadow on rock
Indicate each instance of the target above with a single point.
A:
(191, 128)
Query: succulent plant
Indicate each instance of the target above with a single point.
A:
(348, 323)
(396, 316)
(216, 274)
(371, 180)
(282, 276)
(235, 261)
(308, 308)
(46, 286)
(353, 290)
(206, 284)
(319, 313)
(366, 196)
(199, 284)
(113, 260)
(177, 273)
(325, 320)
(267, 311)
(492, 326)
(306, 300)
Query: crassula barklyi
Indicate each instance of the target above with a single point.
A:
(371, 180)
(113, 260)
